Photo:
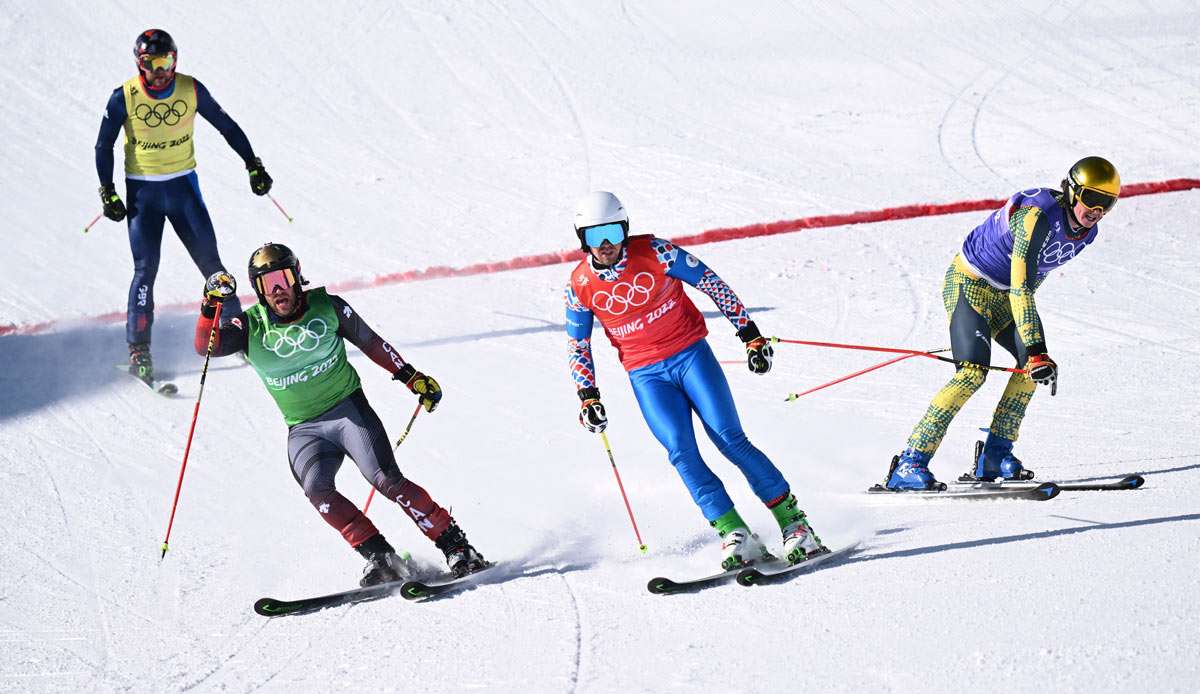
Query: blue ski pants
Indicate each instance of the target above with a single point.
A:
(150, 204)
(691, 380)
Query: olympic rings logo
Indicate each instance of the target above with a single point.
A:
(1058, 253)
(161, 113)
(625, 295)
(294, 338)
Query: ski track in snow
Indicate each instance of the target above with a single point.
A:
(421, 134)
(577, 661)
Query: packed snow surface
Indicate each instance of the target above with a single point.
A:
(403, 135)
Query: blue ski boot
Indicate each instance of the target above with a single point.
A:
(994, 461)
(910, 472)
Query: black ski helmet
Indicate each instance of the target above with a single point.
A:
(154, 42)
(268, 258)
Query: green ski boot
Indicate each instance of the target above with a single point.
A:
(739, 547)
(799, 540)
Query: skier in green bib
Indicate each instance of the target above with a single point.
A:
(296, 340)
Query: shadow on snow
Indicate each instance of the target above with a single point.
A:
(1006, 539)
(44, 369)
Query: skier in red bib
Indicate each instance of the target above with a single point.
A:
(634, 286)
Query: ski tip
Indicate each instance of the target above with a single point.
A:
(270, 607)
(661, 586)
(1132, 482)
(413, 590)
(749, 577)
(1046, 491)
(167, 389)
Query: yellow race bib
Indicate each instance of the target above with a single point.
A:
(158, 132)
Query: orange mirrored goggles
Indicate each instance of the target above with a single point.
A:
(269, 281)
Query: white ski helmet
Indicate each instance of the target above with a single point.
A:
(599, 207)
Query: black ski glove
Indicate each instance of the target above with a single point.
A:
(591, 412)
(114, 209)
(260, 180)
(759, 352)
(427, 389)
(1043, 370)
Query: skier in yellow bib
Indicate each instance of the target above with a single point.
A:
(157, 109)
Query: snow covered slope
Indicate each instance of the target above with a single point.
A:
(403, 135)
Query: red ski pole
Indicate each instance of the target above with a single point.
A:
(92, 223)
(399, 441)
(636, 533)
(280, 208)
(212, 339)
(898, 350)
(797, 396)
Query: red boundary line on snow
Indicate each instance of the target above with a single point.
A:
(887, 214)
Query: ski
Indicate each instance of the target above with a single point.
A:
(423, 590)
(1125, 483)
(273, 607)
(757, 576)
(1041, 492)
(161, 387)
(667, 586)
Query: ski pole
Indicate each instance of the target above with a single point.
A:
(636, 533)
(280, 208)
(797, 396)
(408, 428)
(897, 350)
(92, 223)
(394, 448)
(212, 339)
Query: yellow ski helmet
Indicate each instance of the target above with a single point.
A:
(1094, 181)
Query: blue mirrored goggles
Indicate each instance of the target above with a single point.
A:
(595, 237)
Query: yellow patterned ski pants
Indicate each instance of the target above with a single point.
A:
(978, 313)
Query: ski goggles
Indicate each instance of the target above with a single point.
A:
(594, 237)
(150, 63)
(282, 279)
(1094, 199)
